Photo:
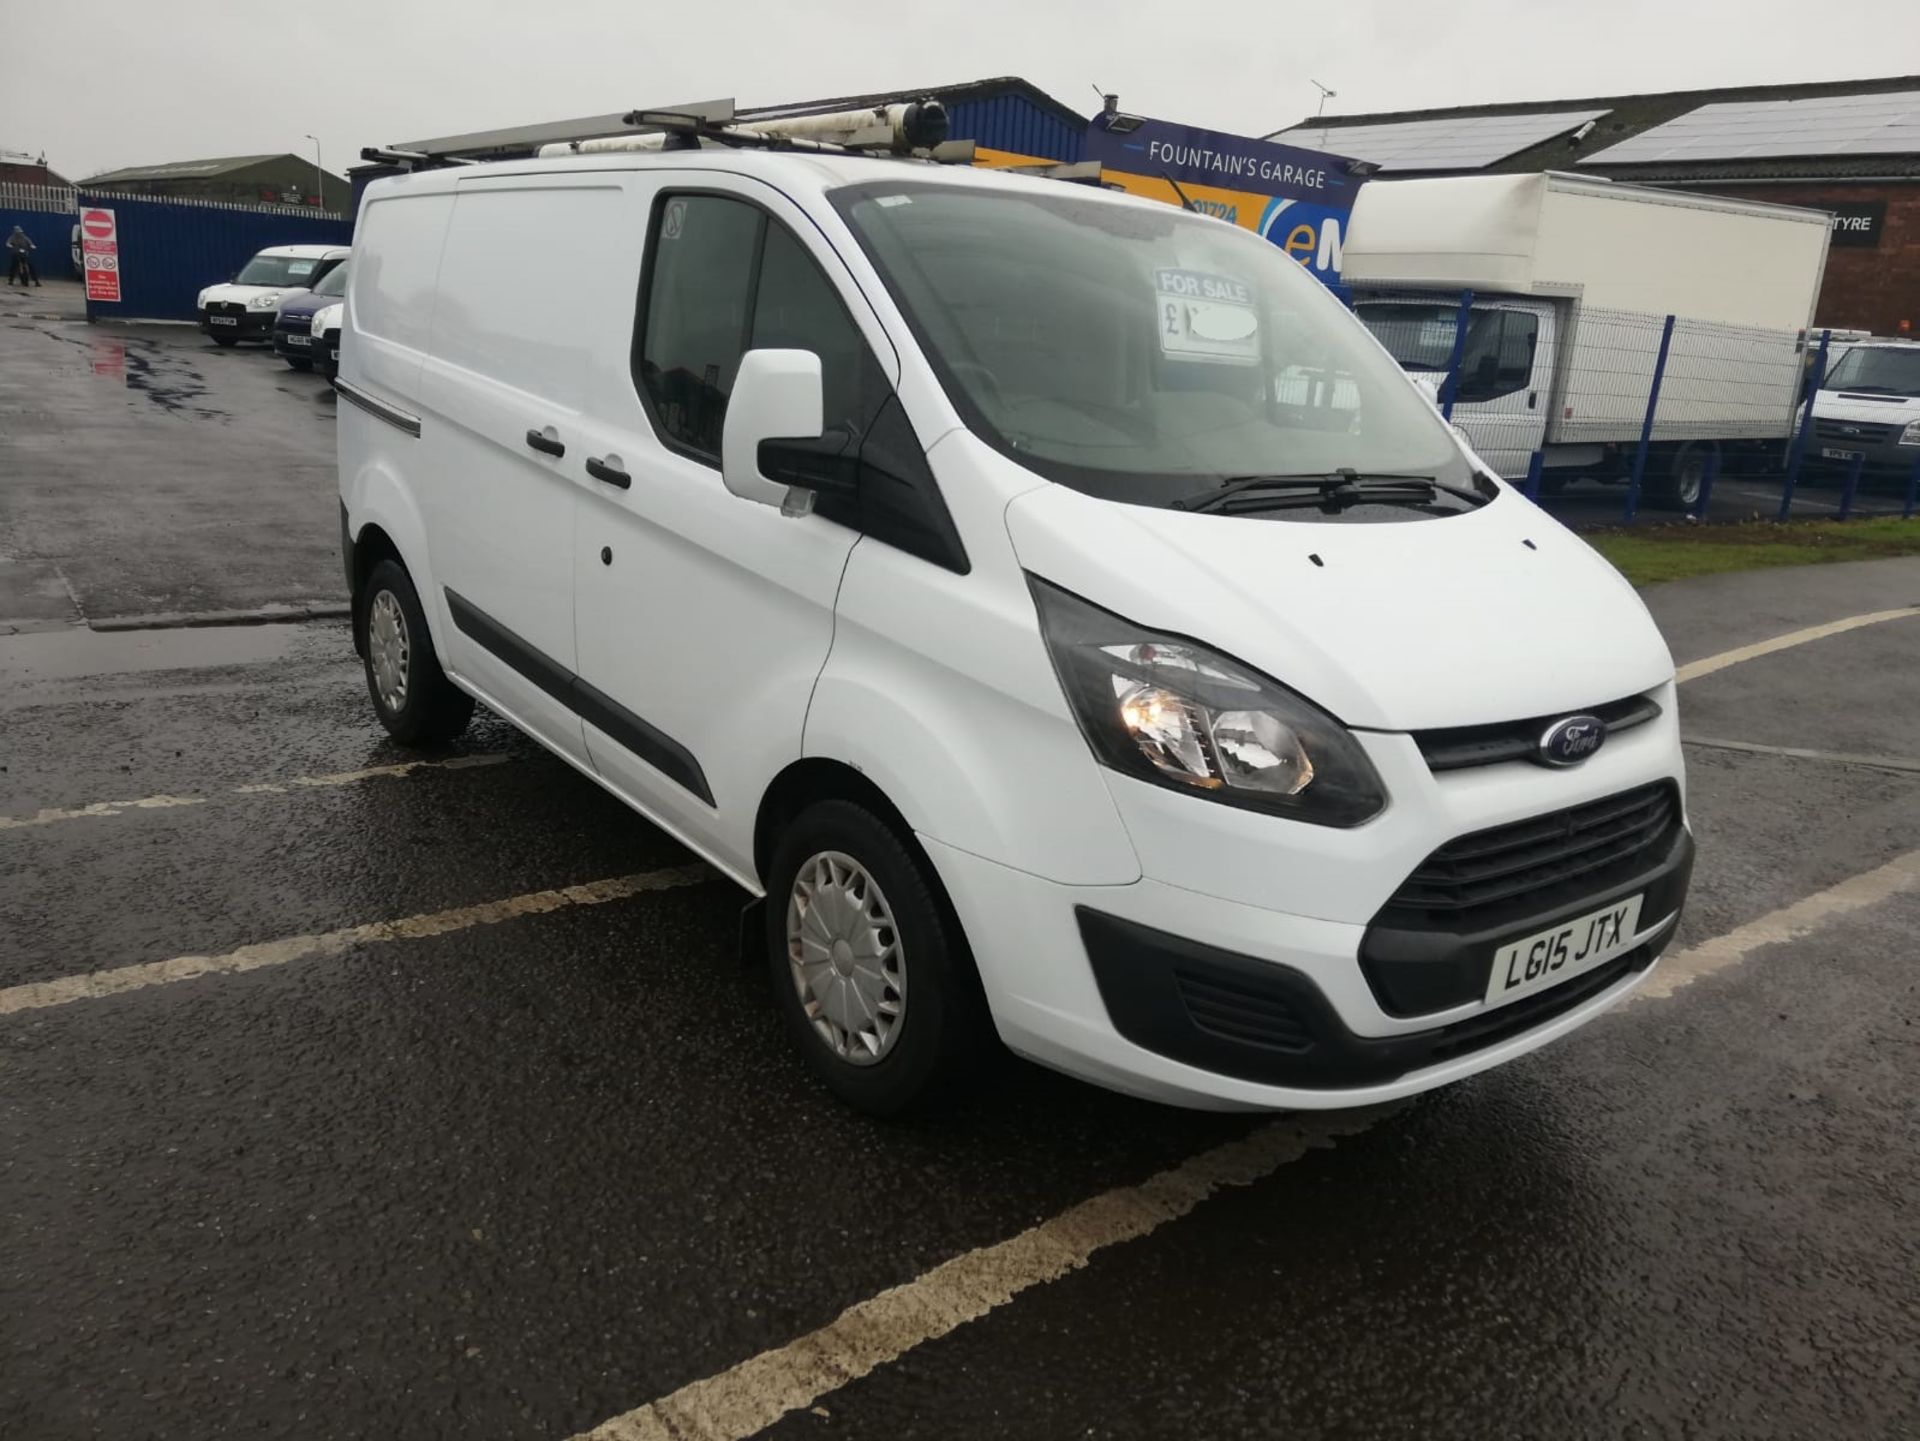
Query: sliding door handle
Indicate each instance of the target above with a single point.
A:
(611, 474)
(544, 443)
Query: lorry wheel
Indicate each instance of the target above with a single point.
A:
(870, 972)
(411, 694)
(1685, 475)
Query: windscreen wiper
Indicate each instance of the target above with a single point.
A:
(1340, 487)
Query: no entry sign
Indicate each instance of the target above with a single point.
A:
(100, 253)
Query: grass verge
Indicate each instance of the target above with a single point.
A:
(1649, 555)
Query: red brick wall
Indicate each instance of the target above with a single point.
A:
(1865, 289)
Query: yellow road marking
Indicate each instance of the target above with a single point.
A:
(1693, 670)
(38, 995)
(259, 788)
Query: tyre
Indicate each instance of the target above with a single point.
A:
(411, 694)
(297, 362)
(223, 341)
(869, 969)
(1679, 484)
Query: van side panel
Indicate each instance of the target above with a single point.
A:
(520, 312)
(390, 293)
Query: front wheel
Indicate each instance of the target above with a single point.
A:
(223, 341)
(869, 971)
(411, 694)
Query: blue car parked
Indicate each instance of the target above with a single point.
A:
(293, 338)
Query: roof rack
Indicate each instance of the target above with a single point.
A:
(916, 129)
(412, 159)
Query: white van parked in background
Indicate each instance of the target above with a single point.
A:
(1868, 407)
(246, 306)
(981, 571)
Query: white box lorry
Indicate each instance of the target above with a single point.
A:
(1572, 280)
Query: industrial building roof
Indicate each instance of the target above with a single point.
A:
(1621, 118)
(185, 169)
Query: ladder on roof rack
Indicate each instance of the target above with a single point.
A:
(916, 129)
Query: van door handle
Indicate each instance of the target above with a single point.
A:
(1533, 397)
(544, 443)
(600, 470)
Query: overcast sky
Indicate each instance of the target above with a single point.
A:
(134, 82)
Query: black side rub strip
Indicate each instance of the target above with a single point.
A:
(591, 704)
(378, 408)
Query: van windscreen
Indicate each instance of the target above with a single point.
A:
(1137, 352)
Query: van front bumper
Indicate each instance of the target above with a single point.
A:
(1113, 984)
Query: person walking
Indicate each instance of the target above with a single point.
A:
(20, 248)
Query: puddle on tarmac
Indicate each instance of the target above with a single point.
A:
(77, 651)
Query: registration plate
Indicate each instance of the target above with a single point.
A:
(222, 320)
(1536, 962)
(1833, 452)
(299, 340)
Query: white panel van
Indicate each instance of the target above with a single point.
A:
(1054, 610)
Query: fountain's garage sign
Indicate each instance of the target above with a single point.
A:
(1298, 199)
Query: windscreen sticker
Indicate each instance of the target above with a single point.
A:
(674, 221)
(1437, 334)
(892, 200)
(1206, 317)
(299, 267)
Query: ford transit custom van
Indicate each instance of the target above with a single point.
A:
(1054, 610)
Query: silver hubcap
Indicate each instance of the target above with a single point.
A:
(843, 950)
(1690, 478)
(388, 651)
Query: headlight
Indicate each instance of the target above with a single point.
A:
(1166, 710)
(200, 300)
(269, 301)
(325, 319)
(1911, 435)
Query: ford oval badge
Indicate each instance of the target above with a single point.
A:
(1570, 741)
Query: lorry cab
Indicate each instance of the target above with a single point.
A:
(1051, 609)
(1505, 365)
(1868, 408)
(244, 308)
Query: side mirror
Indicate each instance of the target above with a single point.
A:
(776, 396)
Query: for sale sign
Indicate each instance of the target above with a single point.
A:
(100, 253)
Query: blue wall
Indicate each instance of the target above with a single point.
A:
(170, 251)
(51, 230)
(1013, 122)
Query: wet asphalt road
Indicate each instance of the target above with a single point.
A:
(515, 1178)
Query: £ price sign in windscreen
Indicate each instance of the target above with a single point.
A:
(100, 253)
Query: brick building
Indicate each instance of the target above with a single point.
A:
(1851, 148)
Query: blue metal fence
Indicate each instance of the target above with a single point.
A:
(171, 249)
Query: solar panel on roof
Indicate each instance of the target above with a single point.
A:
(1884, 124)
(1462, 142)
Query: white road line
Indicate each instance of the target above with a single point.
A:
(38, 995)
(260, 788)
(1786, 924)
(1838, 758)
(1693, 670)
(747, 1398)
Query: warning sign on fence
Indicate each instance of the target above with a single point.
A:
(100, 253)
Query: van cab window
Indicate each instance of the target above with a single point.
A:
(1138, 354)
(725, 279)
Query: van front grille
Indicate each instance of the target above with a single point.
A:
(1586, 844)
(1458, 747)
